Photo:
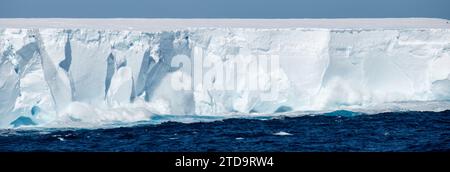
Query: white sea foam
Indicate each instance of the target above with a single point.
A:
(282, 133)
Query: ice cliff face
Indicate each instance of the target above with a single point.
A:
(57, 77)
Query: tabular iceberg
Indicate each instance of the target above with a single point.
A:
(88, 77)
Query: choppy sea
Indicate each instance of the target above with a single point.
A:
(336, 131)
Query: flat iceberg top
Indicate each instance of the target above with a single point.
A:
(171, 24)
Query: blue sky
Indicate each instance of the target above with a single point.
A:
(224, 8)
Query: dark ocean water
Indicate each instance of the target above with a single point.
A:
(337, 131)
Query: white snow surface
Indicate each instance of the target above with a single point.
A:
(94, 72)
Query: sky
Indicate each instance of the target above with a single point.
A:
(224, 8)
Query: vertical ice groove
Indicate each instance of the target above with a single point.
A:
(110, 69)
(57, 81)
(65, 64)
(133, 90)
(146, 65)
